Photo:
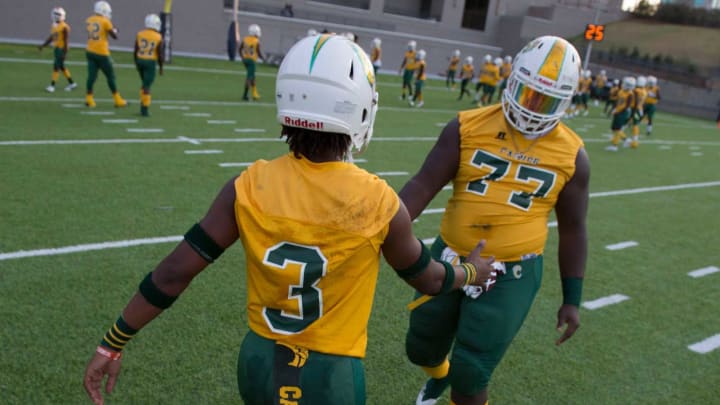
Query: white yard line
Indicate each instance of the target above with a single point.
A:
(605, 301)
(622, 245)
(189, 140)
(174, 107)
(73, 105)
(249, 130)
(97, 112)
(235, 164)
(707, 345)
(88, 247)
(703, 272)
(203, 152)
(145, 130)
(197, 114)
(392, 173)
(119, 121)
(221, 122)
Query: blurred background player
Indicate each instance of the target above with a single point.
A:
(612, 97)
(99, 27)
(407, 67)
(250, 51)
(420, 76)
(638, 111)
(621, 112)
(487, 81)
(584, 93)
(376, 55)
(60, 38)
(598, 88)
(452, 69)
(148, 53)
(653, 96)
(467, 73)
(505, 70)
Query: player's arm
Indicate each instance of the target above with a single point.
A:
(160, 56)
(402, 64)
(571, 212)
(201, 245)
(439, 168)
(66, 35)
(240, 48)
(260, 55)
(411, 260)
(112, 31)
(136, 51)
(46, 43)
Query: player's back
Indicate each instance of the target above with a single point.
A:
(148, 42)
(312, 234)
(98, 28)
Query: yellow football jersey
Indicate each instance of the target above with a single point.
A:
(148, 42)
(57, 31)
(421, 68)
(98, 28)
(652, 95)
(614, 93)
(410, 60)
(376, 54)
(639, 99)
(506, 185)
(312, 234)
(625, 100)
(600, 81)
(468, 71)
(505, 70)
(584, 84)
(250, 47)
(454, 62)
(490, 74)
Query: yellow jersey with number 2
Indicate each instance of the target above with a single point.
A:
(98, 28)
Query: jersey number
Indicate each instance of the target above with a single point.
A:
(309, 296)
(499, 168)
(146, 48)
(93, 31)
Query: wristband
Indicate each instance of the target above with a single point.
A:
(118, 335)
(449, 280)
(108, 353)
(572, 290)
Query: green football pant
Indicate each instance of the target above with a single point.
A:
(146, 69)
(103, 63)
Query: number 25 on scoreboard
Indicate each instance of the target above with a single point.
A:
(594, 32)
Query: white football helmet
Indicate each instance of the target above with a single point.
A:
(152, 21)
(508, 59)
(651, 81)
(469, 60)
(487, 59)
(641, 81)
(628, 83)
(588, 73)
(312, 32)
(327, 83)
(254, 30)
(456, 53)
(377, 42)
(421, 54)
(57, 14)
(103, 8)
(411, 45)
(616, 82)
(603, 72)
(498, 61)
(540, 87)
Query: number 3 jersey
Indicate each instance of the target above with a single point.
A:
(312, 234)
(506, 185)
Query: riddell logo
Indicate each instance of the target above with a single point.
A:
(545, 81)
(297, 122)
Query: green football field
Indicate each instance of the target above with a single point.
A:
(93, 199)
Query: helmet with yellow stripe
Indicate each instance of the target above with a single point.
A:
(326, 83)
(540, 87)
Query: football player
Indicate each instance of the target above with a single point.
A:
(250, 51)
(584, 93)
(510, 165)
(452, 69)
(505, 70)
(407, 67)
(638, 112)
(622, 111)
(148, 53)
(487, 81)
(653, 96)
(466, 75)
(311, 265)
(60, 38)
(420, 76)
(99, 28)
(376, 55)
(597, 90)
(612, 97)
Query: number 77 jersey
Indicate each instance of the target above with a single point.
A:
(506, 185)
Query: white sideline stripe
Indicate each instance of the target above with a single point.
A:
(73, 105)
(97, 112)
(145, 130)
(703, 272)
(392, 173)
(245, 130)
(119, 121)
(696, 154)
(707, 345)
(114, 141)
(189, 140)
(621, 245)
(174, 107)
(203, 152)
(239, 164)
(88, 247)
(658, 188)
(221, 122)
(605, 301)
(664, 147)
(197, 114)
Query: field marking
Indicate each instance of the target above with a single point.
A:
(174, 107)
(248, 130)
(621, 245)
(190, 140)
(696, 154)
(703, 272)
(203, 152)
(359, 160)
(605, 301)
(707, 345)
(235, 164)
(97, 112)
(73, 105)
(88, 247)
(119, 121)
(664, 147)
(221, 122)
(693, 147)
(197, 114)
(392, 173)
(145, 130)
(447, 188)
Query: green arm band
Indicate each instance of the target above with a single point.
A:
(203, 244)
(419, 266)
(572, 290)
(154, 295)
(449, 281)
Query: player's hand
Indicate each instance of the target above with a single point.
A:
(486, 273)
(95, 372)
(567, 315)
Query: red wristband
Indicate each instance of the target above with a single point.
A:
(108, 353)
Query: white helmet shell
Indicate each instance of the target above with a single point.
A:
(487, 59)
(498, 61)
(57, 14)
(411, 45)
(103, 8)
(326, 83)
(651, 80)
(508, 59)
(540, 87)
(469, 60)
(377, 42)
(628, 83)
(152, 21)
(641, 81)
(421, 54)
(456, 53)
(254, 30)
(311, 32)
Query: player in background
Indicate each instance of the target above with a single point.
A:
(452, 70)
(376, 55)
(407, 67)
(467, 73)
(597, 90)
(148, 54)
(99, 27)
(250, 51)
(622, 111)
(420, 77)
(612, 97)
(505, 70)
(638, 111)
(60, 38)
(510, 165)
(487, 80)
(584, 93)
(653, 96)
(312, 225)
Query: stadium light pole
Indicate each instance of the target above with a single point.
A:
(586, 60)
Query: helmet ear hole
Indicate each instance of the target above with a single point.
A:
(364, 115)
(352, 71)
